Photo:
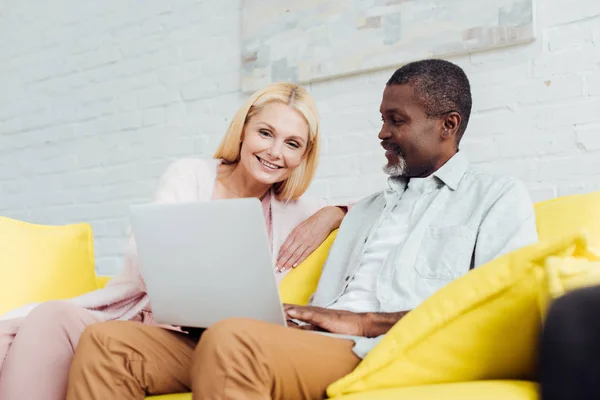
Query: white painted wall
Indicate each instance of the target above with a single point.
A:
(97, 97)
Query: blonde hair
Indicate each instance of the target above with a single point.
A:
(300, 100)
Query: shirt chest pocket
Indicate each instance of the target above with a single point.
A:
(445, 253)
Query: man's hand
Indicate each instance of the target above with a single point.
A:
(342, 322)
(324, 319)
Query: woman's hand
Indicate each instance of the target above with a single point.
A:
(308, 235)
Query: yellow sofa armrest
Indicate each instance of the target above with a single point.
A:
(300, 283)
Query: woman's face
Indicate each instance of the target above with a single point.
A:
(274, 144)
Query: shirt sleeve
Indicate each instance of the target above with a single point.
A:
(508, 225)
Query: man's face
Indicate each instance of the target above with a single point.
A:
(413, 142)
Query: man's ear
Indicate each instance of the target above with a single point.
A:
(451, 124)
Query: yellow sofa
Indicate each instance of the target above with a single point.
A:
(555, 218)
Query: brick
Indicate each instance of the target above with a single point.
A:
(358, 187)
(153, 116)
(130, 120)
(202, 147)
(199, 89)
(481, 150)
(94, 130)
(372, 163)
(498, 58)
(568, 168)
(109, 266)
(15, 186)
(588, 138)
(200, 120)
(193, 51)
(229, 82)
(182, 147)
(573, 113)
(192, 70)
(128, 31)
(492, 97)
(565, 11)
(96, 58)
(62, 164)
(88, 43)
(82, 178)
(350, 144)
(335, 166)
(110, 246)
(228, 63)
(115, 228)
(159, 59)
(537, 143)
(144, 81)
(171, 76)
(127, 102)
(539, 192)
(579, 59)
(566, 36)
(96, 110)
(157, 97)
(154, 7)
(318, 188)
(175, 114)
(153, 25)
(593, 83)
(557, 88)
(98, 93)
(582, 186)
(489, 123)
(141, 46)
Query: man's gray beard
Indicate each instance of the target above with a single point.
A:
(398, 169)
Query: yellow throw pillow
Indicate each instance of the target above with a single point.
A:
(39, 263)
(483, 326)
(569, 215)
(565, 274)
(300, 283)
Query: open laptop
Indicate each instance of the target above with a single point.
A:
(205, 262)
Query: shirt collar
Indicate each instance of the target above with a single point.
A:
(450, 174)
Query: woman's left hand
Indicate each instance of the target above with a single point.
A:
(307, 236)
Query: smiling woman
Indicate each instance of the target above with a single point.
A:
(277, 125)
(275, 143)
(270, 151)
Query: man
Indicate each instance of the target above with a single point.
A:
(438, 219)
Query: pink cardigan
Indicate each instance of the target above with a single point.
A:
(124, 297)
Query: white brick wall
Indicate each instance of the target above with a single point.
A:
(97, 97)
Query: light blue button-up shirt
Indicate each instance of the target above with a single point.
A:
(462, 218)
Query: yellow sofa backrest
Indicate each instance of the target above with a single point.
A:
(555, 218)
(569, 215)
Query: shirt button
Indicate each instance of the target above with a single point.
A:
(347, 278)
(365, 241)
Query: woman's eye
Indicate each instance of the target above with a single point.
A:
(264, 133)
(293, 145)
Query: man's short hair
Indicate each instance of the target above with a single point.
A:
(440, 87)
